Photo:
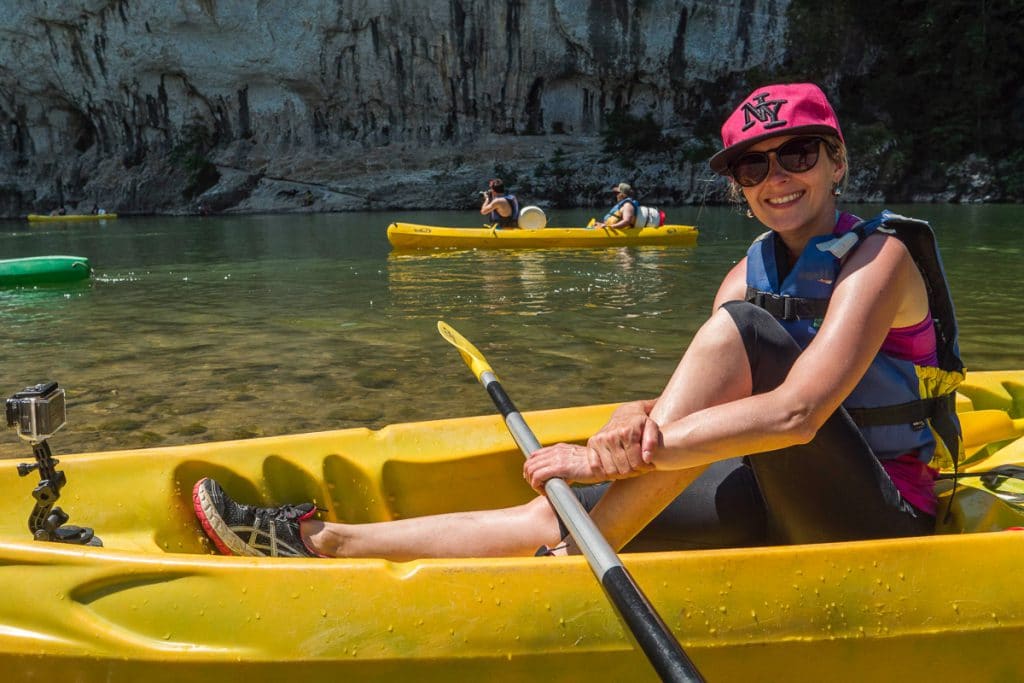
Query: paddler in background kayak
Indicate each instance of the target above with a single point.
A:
(808, 408)
(623, 214)
(501, 209)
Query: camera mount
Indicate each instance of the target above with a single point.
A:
(38, 412)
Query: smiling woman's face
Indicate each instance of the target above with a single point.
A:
(797, 205)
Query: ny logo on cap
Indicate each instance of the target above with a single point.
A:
(767, 112)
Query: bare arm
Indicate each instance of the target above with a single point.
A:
(879, 288)
(499, 204)
(624, 447)
(628, 216)
(876, 288)
(626, 220)
(734, 285)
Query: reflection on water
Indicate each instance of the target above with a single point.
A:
(199, 329)
(534, 282)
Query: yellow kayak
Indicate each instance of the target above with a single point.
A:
(42, 217)
(155, 604)
(412, 236)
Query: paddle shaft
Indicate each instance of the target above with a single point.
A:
(650, 631)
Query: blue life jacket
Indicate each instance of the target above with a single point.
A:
(900, 407)
(510, 221)
(616, 215)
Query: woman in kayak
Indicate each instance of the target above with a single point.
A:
(810, 407)
(623, 214)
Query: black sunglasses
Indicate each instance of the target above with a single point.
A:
(798, 155)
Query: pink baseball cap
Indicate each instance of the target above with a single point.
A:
(784, 109)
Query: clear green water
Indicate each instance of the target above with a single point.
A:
(198, 329)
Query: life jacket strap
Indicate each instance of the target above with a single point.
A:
(940, 410)
(787, 308)
(841, 246)
(911, 412)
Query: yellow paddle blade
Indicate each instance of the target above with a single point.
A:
(470, 354)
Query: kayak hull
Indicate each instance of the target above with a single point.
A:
(47, 218)
(413, 236)
(836, 612)
(155, 603)
(36, 270)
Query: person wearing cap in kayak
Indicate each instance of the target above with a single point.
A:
(623, 214)
(501, 209)
(811, 406)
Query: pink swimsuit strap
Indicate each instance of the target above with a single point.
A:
(915, 343)
(844, 223)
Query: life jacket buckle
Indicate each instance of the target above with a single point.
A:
(787, 308)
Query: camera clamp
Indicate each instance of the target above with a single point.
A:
(38, 412)
(46, 521)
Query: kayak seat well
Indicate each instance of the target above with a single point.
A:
(356, 475)
(346, 488)
(489, 481)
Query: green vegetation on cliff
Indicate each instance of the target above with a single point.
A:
(928, 91)
(924, 85)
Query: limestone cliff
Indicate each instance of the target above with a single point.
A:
(259, 105)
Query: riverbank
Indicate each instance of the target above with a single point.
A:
(552, 171)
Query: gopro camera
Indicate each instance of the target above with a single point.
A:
(37, 412)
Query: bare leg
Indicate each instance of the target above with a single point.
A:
(713, 370)
(489, 533)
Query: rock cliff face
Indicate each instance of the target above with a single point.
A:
(259, 105)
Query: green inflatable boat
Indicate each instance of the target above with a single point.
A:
(42, 270)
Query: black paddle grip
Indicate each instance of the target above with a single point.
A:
(501, 400)
(654, 637)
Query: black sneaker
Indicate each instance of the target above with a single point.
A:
(238, 529)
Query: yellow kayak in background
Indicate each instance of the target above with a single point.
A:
(42, 218)
(155, 604)
(412, 236)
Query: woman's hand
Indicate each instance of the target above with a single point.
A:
(625, 445)
(566, 461)
(622, 449)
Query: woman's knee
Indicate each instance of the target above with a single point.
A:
(719, 336)
(770, 349)
(755, 323)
